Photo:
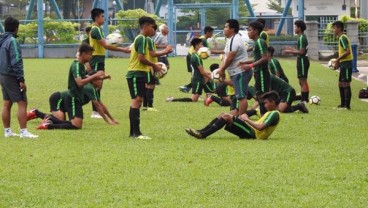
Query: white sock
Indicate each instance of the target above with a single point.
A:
(24, 131)
(7, 130)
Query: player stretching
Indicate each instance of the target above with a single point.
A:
(241, 125)
(275, 66)
(12, 79)
(200, 76)
(98, 42)
(344, 62)
(259, 63)
(74, 100)
(139, 66)
(302, 62)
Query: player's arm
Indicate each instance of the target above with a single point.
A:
(100, 110)
(213, 51)
(103, 43)
(262, 60)
(205, 73)
(166, 51)
(258, 126)
(106, 111)
(226, 63)
(81, 82)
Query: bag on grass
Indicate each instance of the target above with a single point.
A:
(363, 93)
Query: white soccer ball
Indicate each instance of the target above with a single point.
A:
(314, 100)
(162, 73)
(215, 75)
(114, 39)
(331, 63)
(204, 53)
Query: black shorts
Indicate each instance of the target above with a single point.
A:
(56, 102)
(210, 87)
(346, 69)
(137, 86)
(288, 97)
(10, 88)
(262, 82)
(302, 67)
(188, 58)
(151, 79)
(234, 105)
(241, 129)
(98, 67)
(164, 60)
(197, 88)
(74, 107)
(221, 89)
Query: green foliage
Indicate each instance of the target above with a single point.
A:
(329, 38)
(276, 5)
(54, 32)
(311, 160)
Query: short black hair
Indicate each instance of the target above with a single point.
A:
(300, 24)
(208, 29)
(233, 24)
(85, 48)
(261, 20)
(256, 26)
(214, 66)
(195, 42)
(144, 20)
(271, 50)
(271, 96)
(96, 12)
(11, 24)
(88, 29)
(155, 26)
(338, 24)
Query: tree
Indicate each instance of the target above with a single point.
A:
(276, 5)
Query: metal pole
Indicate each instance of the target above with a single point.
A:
(170, 23)
(301, 9)
(95, 4)
(30, 10)
(1, 29)
(40, 28)
(105, 7)
(119, 5)
(56, 9)
(250, 9)
(158, 7)
(284, 14)
(203, 18)
(364, 9)
(235, 13)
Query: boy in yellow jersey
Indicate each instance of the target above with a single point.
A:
(264, 34)
(98, 42)
(208, 33)
(241, 125)
(139, 67)
(345, 63)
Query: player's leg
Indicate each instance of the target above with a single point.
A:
(98, 84)
(216, 124)
(344, 84)
(137, 91)
(241, 129)
(302, 70)
(57, 108)
(240, 84)
(186, 88)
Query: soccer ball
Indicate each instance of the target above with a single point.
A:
(114, 39)
(215, 75)
(331, 63)
(314, 100)
(162, 73)
(204, 53)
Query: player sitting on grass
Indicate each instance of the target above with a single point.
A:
(74, 100)
(287, 96)
(200, 75)
(275, 66)
(241, 125)
(58, 111)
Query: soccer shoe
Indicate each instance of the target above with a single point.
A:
(31, 114)
(144, 108)
(143, 137)
(44, 123)
(303, 108)
(95, 114)
(169, 99)
(28, 135)
(208, 101)
(184, 89)
(194, 133)
(152, 109)
(10, 134)
(340, 107)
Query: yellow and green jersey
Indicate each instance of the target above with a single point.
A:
(152, 47)
(98, 55)
(229, 89)
(204, 42)
(135, 67)
(344, 44)
(265, 37)
(271, 119)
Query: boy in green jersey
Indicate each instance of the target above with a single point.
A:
(275, 66)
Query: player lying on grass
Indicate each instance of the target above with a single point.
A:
(241, 125)
(58, 111)
(201, 78)
(74, 99)
(287, 96)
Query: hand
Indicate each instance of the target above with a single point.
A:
(335, 64)
(156, 67)
(169, 48)
(22, 86)
(99, 74)
(245, 67)
(243, 117)
(107, 76)
(115, 121)
(221, 73)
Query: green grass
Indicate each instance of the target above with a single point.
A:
(312, 160)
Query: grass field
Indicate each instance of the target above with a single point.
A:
(318, 159)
